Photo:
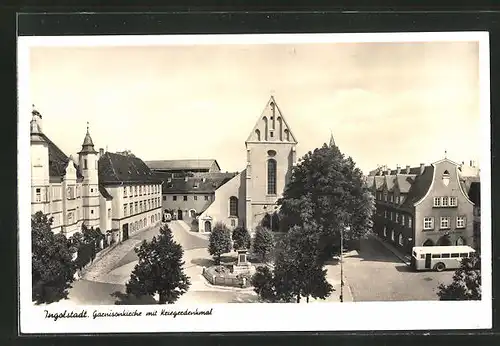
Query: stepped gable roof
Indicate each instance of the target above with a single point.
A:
(475, 193)
(206, 183)
(104, 192)
(405, 182)
(116, 168)
(419, 187)
(58, 160)
(182, 164)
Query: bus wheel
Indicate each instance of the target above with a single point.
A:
(440, 267)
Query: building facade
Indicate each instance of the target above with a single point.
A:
(135, 194)
(235, 199)
(117, 194)
(423, 206)
(182, 168)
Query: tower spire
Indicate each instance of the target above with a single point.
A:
(332, 141)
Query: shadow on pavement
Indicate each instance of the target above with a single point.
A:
(404, 268)
(203, 262)
(247, 298)
(126, 299)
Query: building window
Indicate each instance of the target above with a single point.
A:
(195, 198)
(397, 217)
(233, 222)
(409, 221)
(70, 217)
(174, 198)
(437, 201)
(185, 198)
(164, 198)
(125, 191)
(392, 235)
(403, 219)
(271, 177)
(428, 223)
(131, 208)
(136, 207)
(385, 214)
(444, 201)
(206, 198)
(445, 222)
(233, 206)
(385, 231)
(391, 198)
(84, 163)
(92, 211)
(109, 212)
(453, 201)
(38, 194)
(400, 239)
(385, 196)
(460, 221)
(125, 210)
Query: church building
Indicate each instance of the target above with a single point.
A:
(247, 197)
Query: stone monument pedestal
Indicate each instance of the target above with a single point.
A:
(242, 265)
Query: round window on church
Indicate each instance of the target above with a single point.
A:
(271, 153)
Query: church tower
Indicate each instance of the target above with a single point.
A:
(271, 155)
(87, 158)
(39, 153)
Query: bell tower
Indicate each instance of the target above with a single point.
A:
(88, 158)
(271, 155)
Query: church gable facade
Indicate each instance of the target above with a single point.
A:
(249, 196)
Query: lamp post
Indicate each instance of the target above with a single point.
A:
(342, 263)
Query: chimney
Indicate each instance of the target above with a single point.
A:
(101, 152)
(407, 169)
(422, 168)
(398, 169)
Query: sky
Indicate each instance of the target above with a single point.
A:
(385, 103)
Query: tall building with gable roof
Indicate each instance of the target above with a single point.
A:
(424, 206)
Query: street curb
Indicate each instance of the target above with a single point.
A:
(391, 249)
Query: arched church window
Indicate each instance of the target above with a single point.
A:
(287, 135)
(271, 177)
(233, 206)
(280, 128)
(257, 133)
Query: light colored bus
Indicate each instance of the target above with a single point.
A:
(439, 258)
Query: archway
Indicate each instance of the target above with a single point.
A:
(179, 214)
(460, 241)
(428, 242)
(444, 241)
(208, 226)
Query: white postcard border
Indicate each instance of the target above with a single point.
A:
(255, 317)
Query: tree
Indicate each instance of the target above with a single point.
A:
(219, 242)
(263, 244)
(297, 272)
(241, 238)
(52, 263)
(160, 269)
(466, 283)
(263, 284)
(326, 189)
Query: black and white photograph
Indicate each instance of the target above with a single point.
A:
(226, 182)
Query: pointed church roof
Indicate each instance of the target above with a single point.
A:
(332, 141)
(271, 126)
(88, 145)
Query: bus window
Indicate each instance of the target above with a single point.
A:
(414, 254)
(464, 255)
(455, 255)
(445, 255)
(422, 256)
(436, 255)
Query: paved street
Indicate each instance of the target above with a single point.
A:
(376, 274)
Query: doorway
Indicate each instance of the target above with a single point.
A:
(208, 226)
(125, 232)
(179, 214)
(427, 261)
